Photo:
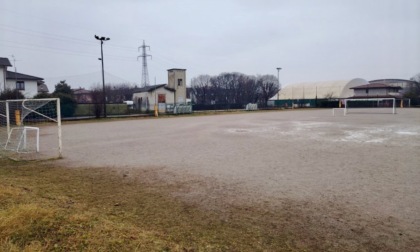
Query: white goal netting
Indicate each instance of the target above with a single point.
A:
(370, 106)
(31, 126)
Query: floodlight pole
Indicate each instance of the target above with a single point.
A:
(102, 39)
(278, 79)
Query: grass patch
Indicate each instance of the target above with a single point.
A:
(44, 207)
(49, 208)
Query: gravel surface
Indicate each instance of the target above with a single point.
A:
(368, 164)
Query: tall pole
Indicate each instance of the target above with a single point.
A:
(16, 85)
(278, 79)
(103, 78)
(102, 39)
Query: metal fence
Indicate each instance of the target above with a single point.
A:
(198, 107)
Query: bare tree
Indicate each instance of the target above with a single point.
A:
(249, 90)
(118, 93)
(97, 100)
(329, 95)
(268, 86)
(201, 89)
(234, 88)
(414, 89)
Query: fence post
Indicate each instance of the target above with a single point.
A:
(7, 119)
(60, 150)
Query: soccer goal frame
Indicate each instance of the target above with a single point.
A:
(22, 121)
(392, 108)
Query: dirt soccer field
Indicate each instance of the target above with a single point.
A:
(359, 173)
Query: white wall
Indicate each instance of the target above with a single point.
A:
(2, 78)
(372, 92)
(180, 90)
(31, 87)
(152, 98)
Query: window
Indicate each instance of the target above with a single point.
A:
(161, 98)
(179, 82)
(20, 85)
(367, 91)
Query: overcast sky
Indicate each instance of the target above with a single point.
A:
(309, 40)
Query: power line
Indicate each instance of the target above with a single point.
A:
(56, 50)
(29, 32)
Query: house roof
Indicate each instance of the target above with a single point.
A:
(5, 62)
(375, 86)
(180, 69)
(152, 88)
(376, 96)
(19, 76)
(391, 81)
(42, 88)
(81, 91)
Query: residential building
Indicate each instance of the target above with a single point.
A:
(163, 95)
(82, 95)
(377, 90)
(26, 84)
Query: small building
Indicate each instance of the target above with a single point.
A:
(404, 84)
(82, 95)
(26, 84)
(377, 90)
(381, 90)
(164, 96)
(4, 63)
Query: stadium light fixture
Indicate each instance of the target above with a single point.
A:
(102, 39)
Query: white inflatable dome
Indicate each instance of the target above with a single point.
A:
(320, 90)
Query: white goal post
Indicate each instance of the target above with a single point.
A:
(370, 105)
(31, 126)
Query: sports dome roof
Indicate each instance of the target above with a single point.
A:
(320, 90)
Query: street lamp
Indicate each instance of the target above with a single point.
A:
(102, 39)
(278, 79)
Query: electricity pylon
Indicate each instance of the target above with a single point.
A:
(145, 72)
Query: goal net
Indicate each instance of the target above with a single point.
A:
(370, 106)
(31, 126)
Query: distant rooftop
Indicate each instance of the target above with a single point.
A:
(375, 86)
(180, 69)
(5, 62)
(152, 88)
(19, 76)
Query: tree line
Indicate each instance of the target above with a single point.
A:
(414, 90)
(114, 94)
(233, 88)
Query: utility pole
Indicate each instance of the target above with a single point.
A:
(102, 39)
(145, 72)
(16, 86)
(278, 79)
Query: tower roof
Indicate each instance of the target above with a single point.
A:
(177, 69)
(5, 62)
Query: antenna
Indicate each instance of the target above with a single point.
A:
(14, 65)
(14, 61)
(145, 73)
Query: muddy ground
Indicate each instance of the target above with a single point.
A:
(355, 176)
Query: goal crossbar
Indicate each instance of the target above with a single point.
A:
(346, 103)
